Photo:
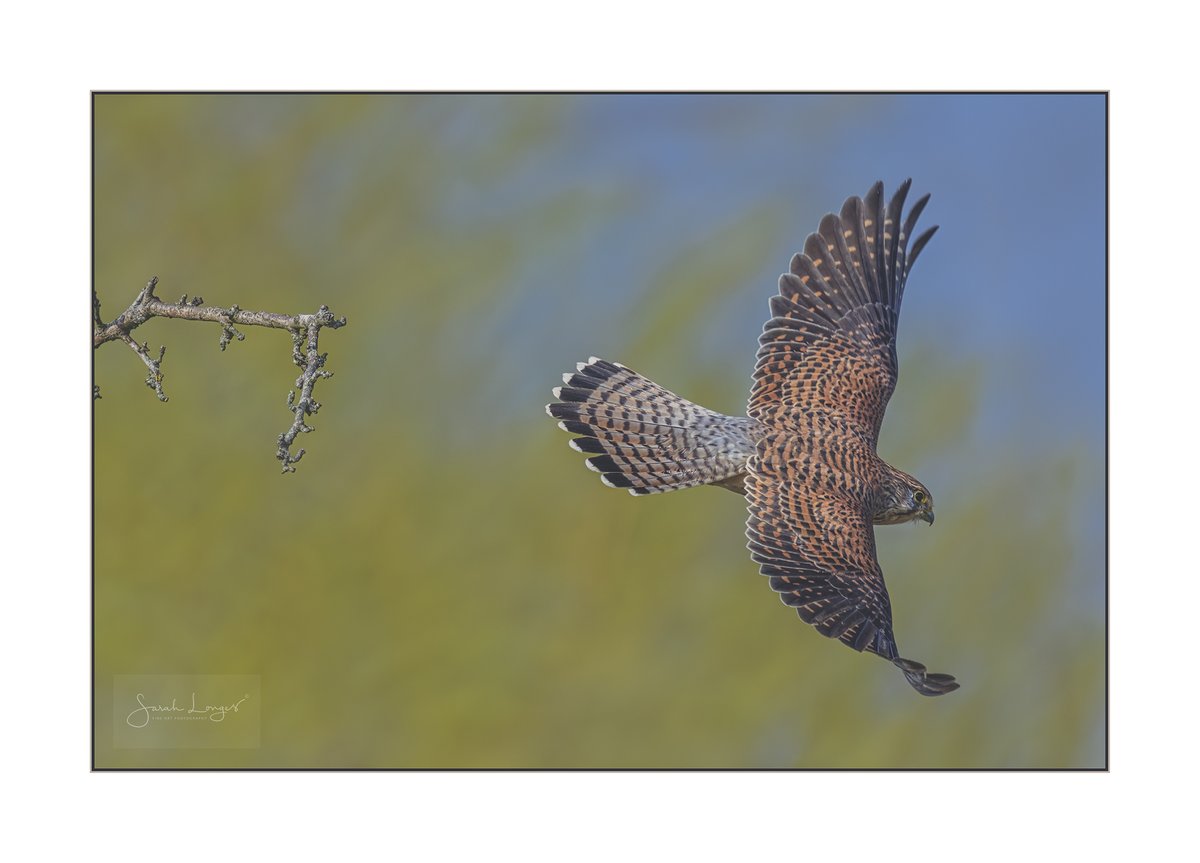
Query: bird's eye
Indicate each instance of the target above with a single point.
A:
(920, 496)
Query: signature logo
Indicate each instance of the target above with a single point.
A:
(141, 716)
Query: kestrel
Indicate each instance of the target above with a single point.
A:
(804, 457)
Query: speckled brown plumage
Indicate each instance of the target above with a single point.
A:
(805, 456)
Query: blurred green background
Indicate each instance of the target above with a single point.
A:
(442, 583)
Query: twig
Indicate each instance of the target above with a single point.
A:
(311, 363)
(305, 330)
(154, 376)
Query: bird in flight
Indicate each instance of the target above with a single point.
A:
(804, 457)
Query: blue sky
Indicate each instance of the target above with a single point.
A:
(1016, 273)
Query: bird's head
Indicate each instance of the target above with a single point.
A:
(906, 499)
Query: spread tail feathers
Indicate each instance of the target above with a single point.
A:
(646, 439)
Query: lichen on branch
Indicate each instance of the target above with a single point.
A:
(305, 331)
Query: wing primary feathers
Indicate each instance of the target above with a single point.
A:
(891, 234)
(873, 223)
(923, 681)
(919, 244)
(865, 635)
(863, 253)
(904, 259)
(838, 255)
(914, 214)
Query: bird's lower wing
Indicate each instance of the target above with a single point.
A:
(817, 547)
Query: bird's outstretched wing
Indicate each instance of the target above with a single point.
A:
(831, 343)
(817, 546)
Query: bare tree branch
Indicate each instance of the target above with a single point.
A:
(311, 363)
(154, 376)
(305, 331)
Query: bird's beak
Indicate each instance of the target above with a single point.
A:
(926, 516)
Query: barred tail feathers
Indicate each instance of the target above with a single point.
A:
(646, 439)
